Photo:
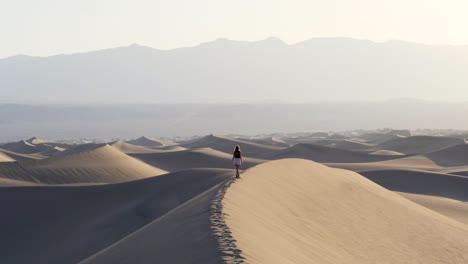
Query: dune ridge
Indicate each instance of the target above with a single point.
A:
(25, 147)
(195, 158)
(325, 154)
(93, 163)
(347, 144)
(150, 142)
(5, 158)
(334, 216)
(226, 145)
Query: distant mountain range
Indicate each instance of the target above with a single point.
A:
(321, 69)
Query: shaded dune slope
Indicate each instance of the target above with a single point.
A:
(270, 141)
(411, 162)
(24, 147)
(197, 158)
(325, 154)
(80, 221)
(419, 144)
(453, 156)
(227, 145)
(297, 211)
(194, 233)
(150, 142)
(421, 182)
(344, 144)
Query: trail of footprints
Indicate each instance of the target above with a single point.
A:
(231, 254)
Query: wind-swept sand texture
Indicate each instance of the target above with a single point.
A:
(150, 142)
(297, 211)
(455, 209)
(325, 154)
(419, 144)
(82, 164)
(5, 158)
(197, 158)
(421, 182)
(166, 218)
(9, 182)
(227, 145)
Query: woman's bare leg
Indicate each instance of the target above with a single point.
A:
(237, 171)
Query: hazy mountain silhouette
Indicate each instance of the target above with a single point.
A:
(322, 69)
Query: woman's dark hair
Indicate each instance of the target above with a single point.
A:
(237, 148)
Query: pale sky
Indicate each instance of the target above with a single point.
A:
(48, 27)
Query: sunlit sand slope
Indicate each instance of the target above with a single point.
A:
(297, 211)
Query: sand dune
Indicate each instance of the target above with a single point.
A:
(52, 152)
(387, 153)
(107, 207)
(411, 162)
(24, 147)
(19, 156)
(150, 142)
(130, 148)
(419, 144)
(197, 158)
(386, 138)
(134, 149)
(35, 141)
(192, 233)
(325, 154)
(11, 172)
(83, 164)
(69, 224)
(455, 209)
(380, 138)
(4, 182)
(453, 156)
(227, 145)
(344, 144)
(304, 139)
(296, 211)
(421, 182)
(5, 158)
(270, 141)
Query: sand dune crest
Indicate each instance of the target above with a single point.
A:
(296, 211)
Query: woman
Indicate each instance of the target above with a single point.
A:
(237, 159)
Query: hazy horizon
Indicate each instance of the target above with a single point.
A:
(61, 27)
(130, 44)
(229, 71)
